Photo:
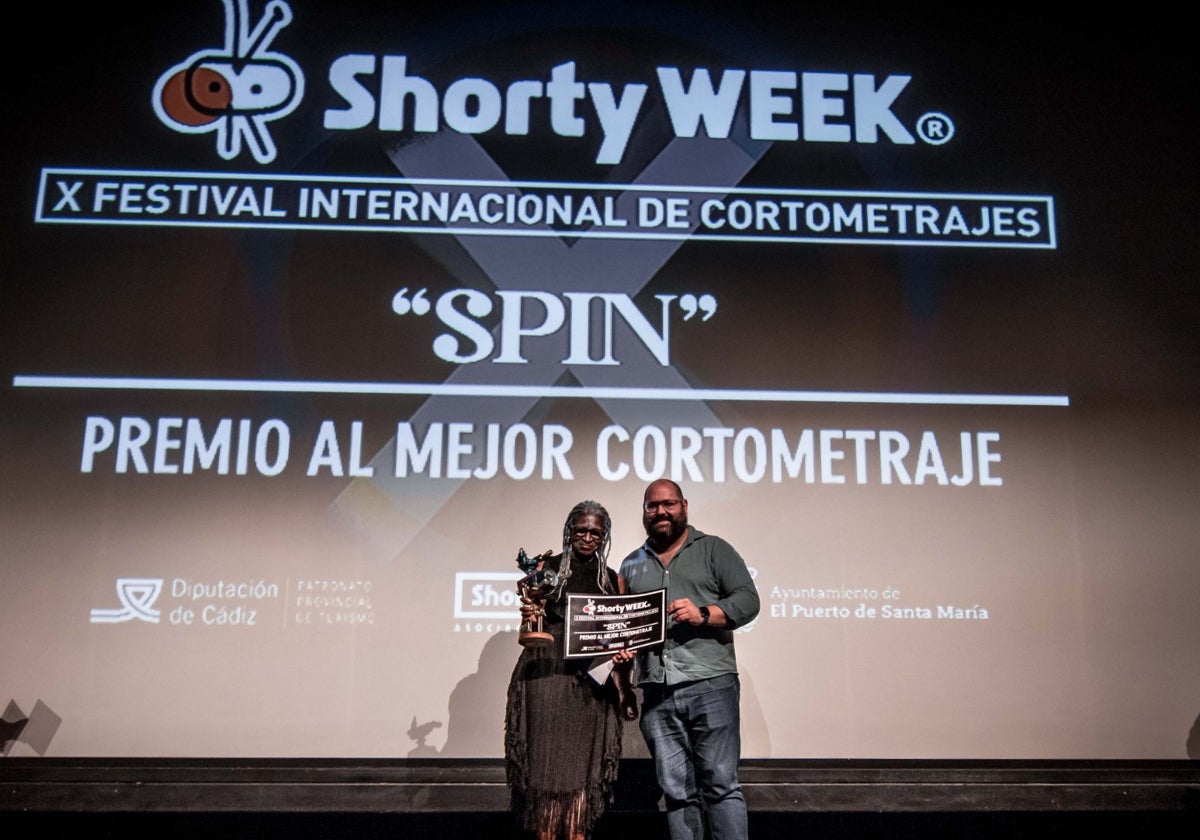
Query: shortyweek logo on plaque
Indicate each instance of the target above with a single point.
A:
(599, 624)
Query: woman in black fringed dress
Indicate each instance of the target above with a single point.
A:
(562, 739)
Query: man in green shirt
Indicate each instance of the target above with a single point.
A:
(690, 686)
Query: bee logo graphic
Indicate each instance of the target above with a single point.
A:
(234, 91)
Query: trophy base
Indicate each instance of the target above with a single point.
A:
(534, 638)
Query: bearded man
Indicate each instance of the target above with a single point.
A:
(690, 707)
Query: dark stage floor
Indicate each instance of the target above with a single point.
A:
(324, 800)
(614, 826)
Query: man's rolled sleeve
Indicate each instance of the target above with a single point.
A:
(739, 596)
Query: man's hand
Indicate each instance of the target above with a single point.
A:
(683, 610)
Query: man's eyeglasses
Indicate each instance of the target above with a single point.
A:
(669, 506)
(584, 534)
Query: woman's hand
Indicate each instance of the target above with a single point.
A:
(531, 610)
(628, 704)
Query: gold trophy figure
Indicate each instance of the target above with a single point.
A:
(534, 588)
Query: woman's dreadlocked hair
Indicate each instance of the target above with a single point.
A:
(564, 569)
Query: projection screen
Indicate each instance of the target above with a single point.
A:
(315, 313)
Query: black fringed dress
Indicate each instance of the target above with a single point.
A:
(562, 738)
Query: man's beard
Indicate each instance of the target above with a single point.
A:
(665, 537)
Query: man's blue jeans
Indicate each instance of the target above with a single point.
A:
(693, 731)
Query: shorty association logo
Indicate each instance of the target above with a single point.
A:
(236, 90)
(137, 596)
(486, 595)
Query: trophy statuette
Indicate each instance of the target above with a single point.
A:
(534, 588)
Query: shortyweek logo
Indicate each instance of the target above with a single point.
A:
(137, 596)
(236, 90)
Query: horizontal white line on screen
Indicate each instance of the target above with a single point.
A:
(120, 383)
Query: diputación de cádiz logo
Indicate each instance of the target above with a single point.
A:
(236, 90)
(137, 597)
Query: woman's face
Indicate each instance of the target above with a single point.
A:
(587, 535)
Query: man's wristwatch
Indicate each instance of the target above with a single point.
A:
(703, 616)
